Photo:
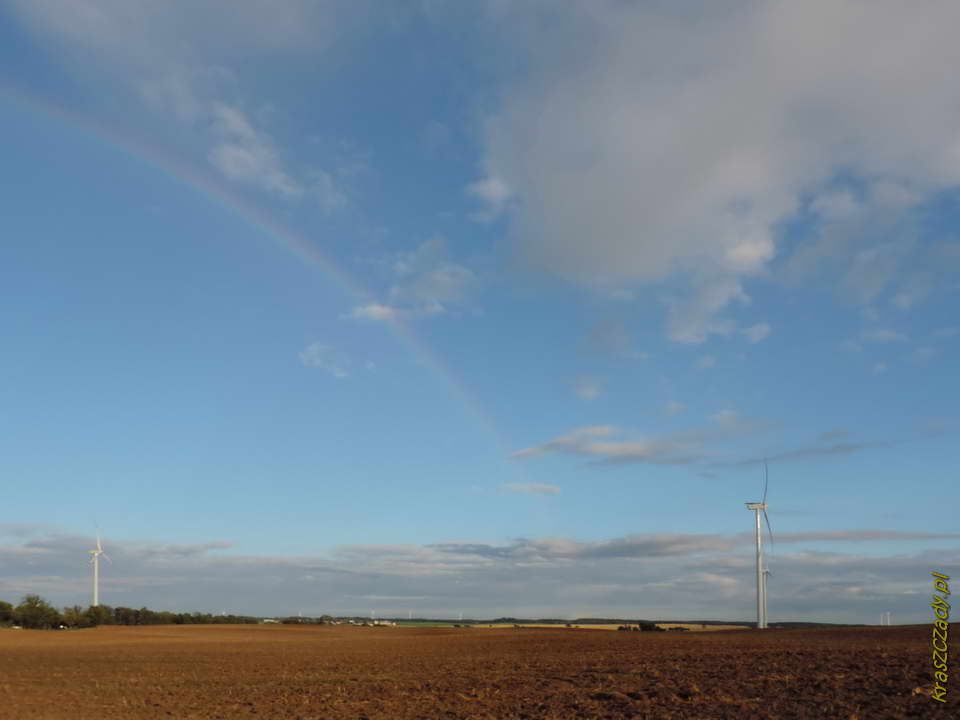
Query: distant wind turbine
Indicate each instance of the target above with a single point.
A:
(95, 561)
(762, 572)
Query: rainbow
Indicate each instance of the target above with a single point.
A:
(287, 238)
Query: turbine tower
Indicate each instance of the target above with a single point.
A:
(762, 572)
(766, 575)
(95, 561)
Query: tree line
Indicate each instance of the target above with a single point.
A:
(35, 613)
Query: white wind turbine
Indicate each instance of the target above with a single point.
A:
(762, 572)
(95, 561)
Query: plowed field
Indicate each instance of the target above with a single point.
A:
(325, 673)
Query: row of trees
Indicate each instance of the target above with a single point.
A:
(36, 613)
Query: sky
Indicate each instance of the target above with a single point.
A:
(494, 308)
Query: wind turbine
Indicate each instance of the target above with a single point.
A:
(762, 572)
(95, 561)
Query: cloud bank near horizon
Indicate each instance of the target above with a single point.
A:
(706, 576)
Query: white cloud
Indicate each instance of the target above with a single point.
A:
(494, 193)
(327, 358)
(694, 318)
(578, 437)
(628, 169)
(756, 333)
(374, 311)
(837, 204)
(532, 488)
(600, 442)
(844, 251)
(608, 444)
(426, 281)
(873, 269)
(248, 155)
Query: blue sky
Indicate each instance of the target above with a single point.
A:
(332, 307)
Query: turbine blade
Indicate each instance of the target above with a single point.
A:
(107, 557)
(766, 480)
(766, 519)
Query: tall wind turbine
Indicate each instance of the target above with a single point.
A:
(762, 572)
(95, 561)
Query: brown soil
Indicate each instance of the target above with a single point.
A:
(694, 627)
(350, 672)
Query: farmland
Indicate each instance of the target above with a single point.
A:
(350, 672)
